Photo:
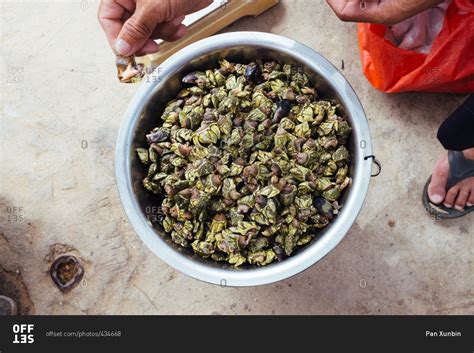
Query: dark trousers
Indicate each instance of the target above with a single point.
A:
(457, 131)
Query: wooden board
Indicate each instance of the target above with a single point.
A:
(210, 24)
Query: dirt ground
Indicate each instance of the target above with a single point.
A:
(61, 110)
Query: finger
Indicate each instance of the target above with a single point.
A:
(168, 31)
(183, 7)
(136, 31)
(397, 11)
(180, 32)
(375, 11)
(199, 5)
(150, 47)
(171, 30)
(451, 196)
(110, 18)
(357, 11)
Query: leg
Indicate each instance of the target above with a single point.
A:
(456, 133)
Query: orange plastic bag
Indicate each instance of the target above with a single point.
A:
(447, 67)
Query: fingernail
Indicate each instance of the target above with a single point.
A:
(181, 31)
(122, 47)
(469, 204)
(459, 208)
(436, 198)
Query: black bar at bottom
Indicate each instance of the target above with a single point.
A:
(68, 334)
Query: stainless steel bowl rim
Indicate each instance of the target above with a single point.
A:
(313, 252)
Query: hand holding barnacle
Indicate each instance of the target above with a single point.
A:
(132, 26)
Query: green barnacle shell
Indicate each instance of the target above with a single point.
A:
(299, 172)
(179, 239)
(305, 239)
(262, 257)
(331, 168)
(225, 124)
(290, 243)
(143, 155)
(151, 186)
(302, 130)
(341, 174)
(236, 259)
(257, 244)
(248, 163)
(305, 188)
(323, 184)
(152, 169)
(286, 124)
(268, 191)
(219, 223)
(343, 129)
(182, 135)
(256, 115)
(326, 128)
(341, 154)
(203, 248)
(168, 224)
(332, 194)
(281, 138)
(304, 201)
(153, 155)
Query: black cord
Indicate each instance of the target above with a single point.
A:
(377, 163)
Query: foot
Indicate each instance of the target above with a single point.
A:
(460, 195)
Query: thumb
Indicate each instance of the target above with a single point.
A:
(135, 32)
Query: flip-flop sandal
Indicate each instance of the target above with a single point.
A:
(460, 168)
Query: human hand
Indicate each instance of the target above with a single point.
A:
(131, 25)
(379, 11)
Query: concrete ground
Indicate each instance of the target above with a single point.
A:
(61, 109)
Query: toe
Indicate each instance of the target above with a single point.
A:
(462, 197)
(451, 196)
(470, 199)
(439, 178)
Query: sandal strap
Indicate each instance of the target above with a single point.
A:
(460, 168)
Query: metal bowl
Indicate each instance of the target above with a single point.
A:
(165, 82)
